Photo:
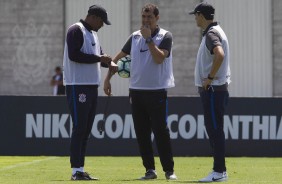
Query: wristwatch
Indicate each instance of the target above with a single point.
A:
(149, 40)
(210, 78)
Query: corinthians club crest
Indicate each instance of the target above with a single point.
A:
(82, 98)
(30, 62)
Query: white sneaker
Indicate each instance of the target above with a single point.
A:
(215, 177)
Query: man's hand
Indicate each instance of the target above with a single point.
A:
(207, 82)
(145, 31)
(105, 59)
(107, 87)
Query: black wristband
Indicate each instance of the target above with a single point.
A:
(210, 78)
(149, 40)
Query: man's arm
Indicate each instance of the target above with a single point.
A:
(107, 84)
(213, 43)
(158, 54)
(217, 61)
(75, 42)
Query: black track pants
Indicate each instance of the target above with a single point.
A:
(82, 102)
(149, 112)
(214, 104)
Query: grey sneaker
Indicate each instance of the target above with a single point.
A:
(170, 176)
(149, 175)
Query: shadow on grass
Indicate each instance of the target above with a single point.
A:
(130, 180)
(156, 180)
(67, 180)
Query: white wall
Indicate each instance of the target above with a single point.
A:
(248, 25)
(112, 37)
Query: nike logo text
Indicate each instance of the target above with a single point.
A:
(143, 50)
(216, 179)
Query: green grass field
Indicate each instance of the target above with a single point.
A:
(126, 170)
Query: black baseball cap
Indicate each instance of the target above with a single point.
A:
(100, 12)
(204, 8)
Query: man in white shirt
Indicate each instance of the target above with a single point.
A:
(212, 76)
(150, 77)
(83, 57)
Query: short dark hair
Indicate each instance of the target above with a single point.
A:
(58, 68)
(207, 16)
(149, 7)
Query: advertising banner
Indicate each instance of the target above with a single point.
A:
(42, 125)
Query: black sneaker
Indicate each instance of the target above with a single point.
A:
(149, 175)
(170, 176)
(90, 177)
(82, 176)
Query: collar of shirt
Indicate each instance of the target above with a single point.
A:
(87, 26)
(209, 26)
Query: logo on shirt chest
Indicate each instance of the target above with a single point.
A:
(143, 50)
(159, 36)
(137, 37)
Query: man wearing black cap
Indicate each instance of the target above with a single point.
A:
(212, 76)
(83, 56)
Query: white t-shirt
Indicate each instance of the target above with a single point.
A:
(79, 73)
(204, 61)
(145, 74)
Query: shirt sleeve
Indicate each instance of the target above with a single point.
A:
(75, 42)
(213, 39)
(127, 47)
(166, 43)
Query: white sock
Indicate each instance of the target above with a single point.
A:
(74, 170)
(81, 169)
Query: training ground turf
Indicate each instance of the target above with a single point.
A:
(126, 170)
